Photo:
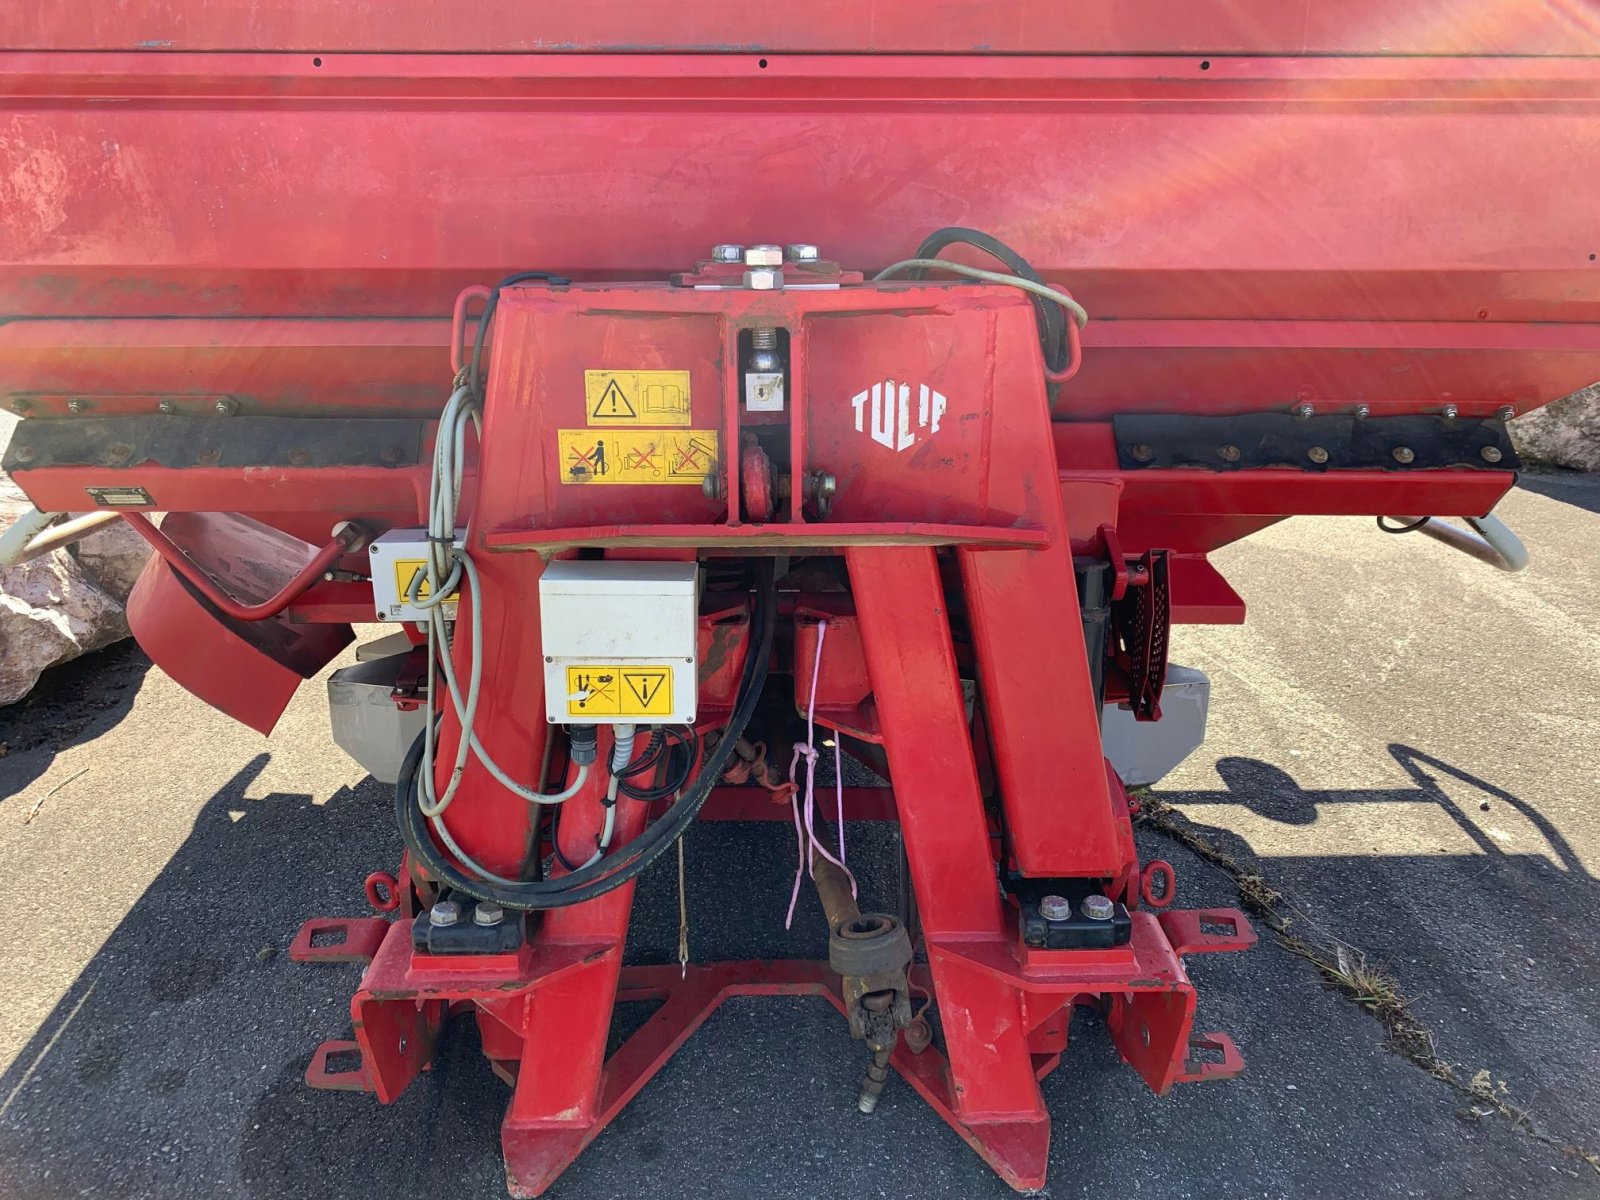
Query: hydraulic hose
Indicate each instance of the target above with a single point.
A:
(627, 864)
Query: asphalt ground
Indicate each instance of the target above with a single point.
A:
(1403, 742)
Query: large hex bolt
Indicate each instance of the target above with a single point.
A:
(763, 279)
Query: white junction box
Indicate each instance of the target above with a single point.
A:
(619, 642)
(398, 557)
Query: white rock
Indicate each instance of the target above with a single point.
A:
(113, 557)
(55, 607)
(50, 611)
(1563, 434)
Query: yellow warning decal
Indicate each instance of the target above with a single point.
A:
(636, 455)
(407, 570)
(636, 397)
(612, 690)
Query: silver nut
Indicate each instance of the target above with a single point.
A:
(1403, 454)
(764, 362)
(1505, 412)
(1363, 411)
(76, 406)
(488, 913)
(727, 252)
(1142, 453)
(1317, 455)
(1228, 453)
(801, 252)
(1449, 411)
(763, 279)
(1490, 454)
(1098, 908)
(1055, 908)
(166, 406)
(715, 485)
(444, 913)
(1305, 411)
(763, 256)
(226, 407)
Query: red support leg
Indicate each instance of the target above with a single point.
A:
(989, 1093)
(1041, 709)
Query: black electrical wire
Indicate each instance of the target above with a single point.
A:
(677, 748)
(1417, 524)
(475, 371)
(628, 863)
(1052, 321)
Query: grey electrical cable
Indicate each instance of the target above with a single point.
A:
(1074, 309)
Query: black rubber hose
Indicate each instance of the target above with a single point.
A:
(475, 371)
(630, 862)
(1052, 321)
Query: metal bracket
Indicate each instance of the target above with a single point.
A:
(1198, 1070)
(1207, 930)
(352, 1079)
(347, 939)
(1338, 441)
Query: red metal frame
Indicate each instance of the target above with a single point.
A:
(1216, 184)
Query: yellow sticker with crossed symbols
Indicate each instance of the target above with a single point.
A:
(636, 397)
(636, 456)
(617, 690)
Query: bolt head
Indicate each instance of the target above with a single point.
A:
(727, 252)
(765, 361)
(1505, 412)
(1449, 412)
(1055, 908)
(1305, 411)
(1490, 454)
(1403, 454)
(1142, 453)
(76, 406)
(801, 252)
(1228, 453)
(715, 486)
(763, 279)
(1363, 411)
(444, 914)
(25, 454)
(1098, 908)
(1317, 455)
(225, 407)
(488, 913)
(825, 485)
(166, 406)
(763, 256)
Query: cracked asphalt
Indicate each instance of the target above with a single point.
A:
(1402, 741)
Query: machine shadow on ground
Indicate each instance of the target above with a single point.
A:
(173, 1066)
(71, 704)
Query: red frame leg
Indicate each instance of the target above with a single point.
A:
(989, 1092)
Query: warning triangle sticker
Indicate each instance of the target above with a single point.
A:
(613, 404)
(645, 685)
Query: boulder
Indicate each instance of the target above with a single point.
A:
(1563, 434)
(63, 604)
